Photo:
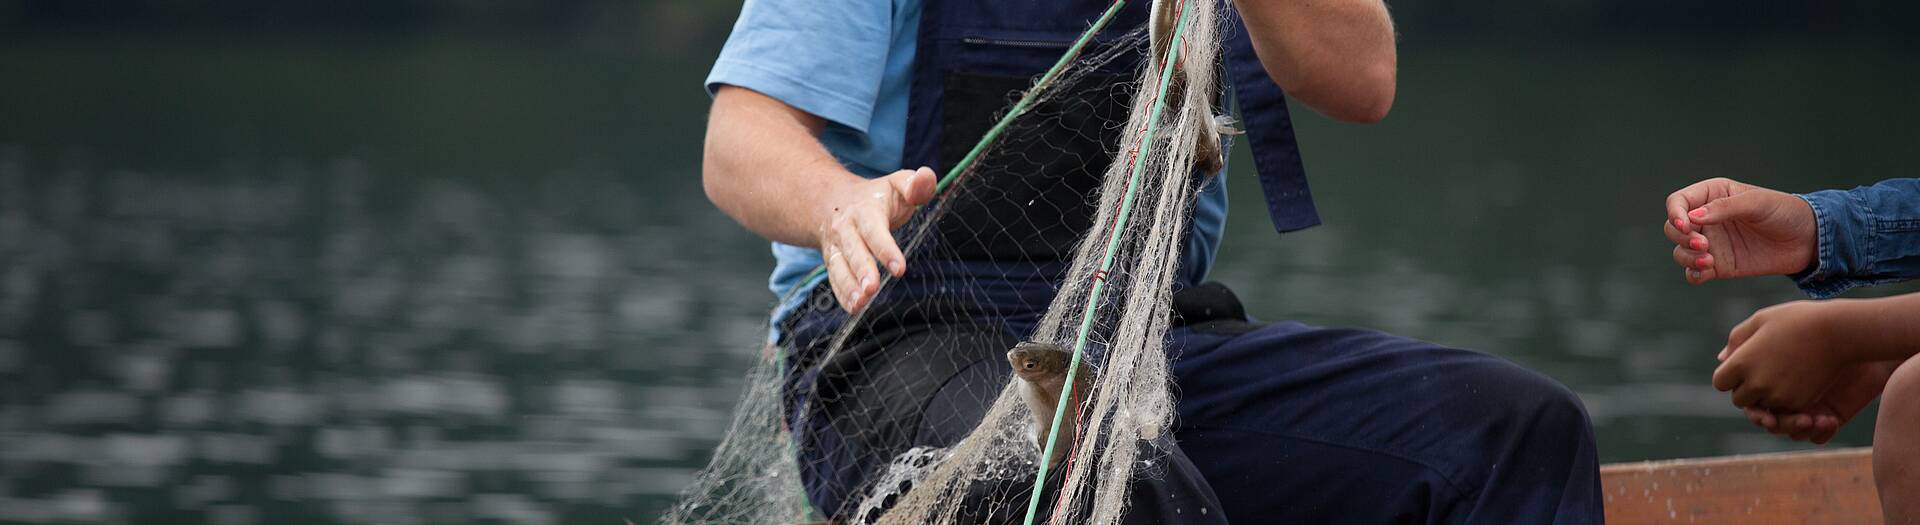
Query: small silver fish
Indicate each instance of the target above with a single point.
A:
(1043, 368)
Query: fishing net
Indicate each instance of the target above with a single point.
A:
(908, 411)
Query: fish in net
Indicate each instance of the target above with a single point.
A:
(1038, 299)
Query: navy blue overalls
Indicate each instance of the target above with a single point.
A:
(1277, 422)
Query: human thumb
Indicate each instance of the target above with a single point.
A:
(1748, 206)
(916, 187)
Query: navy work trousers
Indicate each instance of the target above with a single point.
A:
(1292, 423)
(1286, 422)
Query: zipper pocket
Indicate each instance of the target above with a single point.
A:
(1030, 44)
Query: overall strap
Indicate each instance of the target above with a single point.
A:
(1263, 110)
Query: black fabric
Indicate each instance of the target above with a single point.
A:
(1211, 308)
(898, 362)
(921, 381)
(912, 375)
(876, 386)
(1033, 197)
(1170, 491)
(1211, 301)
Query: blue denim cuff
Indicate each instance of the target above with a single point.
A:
(1840, 225)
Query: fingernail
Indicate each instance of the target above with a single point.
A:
(1694, 273)
(1698, 213)
(897, 267)
(1701, 262)
(866, 282)
(1682, 225)
(1698, 244)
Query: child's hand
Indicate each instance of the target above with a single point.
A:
(1721, 228)
(1783, 358)
(1854, 388)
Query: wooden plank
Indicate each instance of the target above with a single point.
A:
(1813, 488)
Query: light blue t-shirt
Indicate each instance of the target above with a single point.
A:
(850, 62)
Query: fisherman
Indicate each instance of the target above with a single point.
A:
(1803, 369)
(829, 121)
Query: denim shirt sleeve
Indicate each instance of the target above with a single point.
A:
(1867, 235)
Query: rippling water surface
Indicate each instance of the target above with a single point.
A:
(446, 279)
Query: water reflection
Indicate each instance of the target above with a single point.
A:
(306, 342)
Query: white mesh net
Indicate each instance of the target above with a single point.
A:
(906, 412)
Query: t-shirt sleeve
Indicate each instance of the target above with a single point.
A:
(824, 58)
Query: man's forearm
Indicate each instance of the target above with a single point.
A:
(1336, 56)
(1879, 329)
(765, 167)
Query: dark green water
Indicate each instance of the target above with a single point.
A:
(471, 278)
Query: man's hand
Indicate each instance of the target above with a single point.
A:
(1784, 357)
(765, 167)
(856, 235)
(1722, 228)
(1853, 389)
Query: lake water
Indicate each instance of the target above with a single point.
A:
(472, 278)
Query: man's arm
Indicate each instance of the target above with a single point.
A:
(1335, 56)
(747, 132)
(765, 167)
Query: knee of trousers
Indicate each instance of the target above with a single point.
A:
(1522, 401)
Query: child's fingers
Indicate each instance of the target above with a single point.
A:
(1685, 257)
(1688, 261)
(1748, 396)
(1824, 427)
(1760, 418)
(1688, 258)
(1801, 427)
(1673, 233)
(1748, 205)
(1740, 334)
(1693, 240)
(1677, 216)
(1726, 378)
(1698, 265)
(1687, 198)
